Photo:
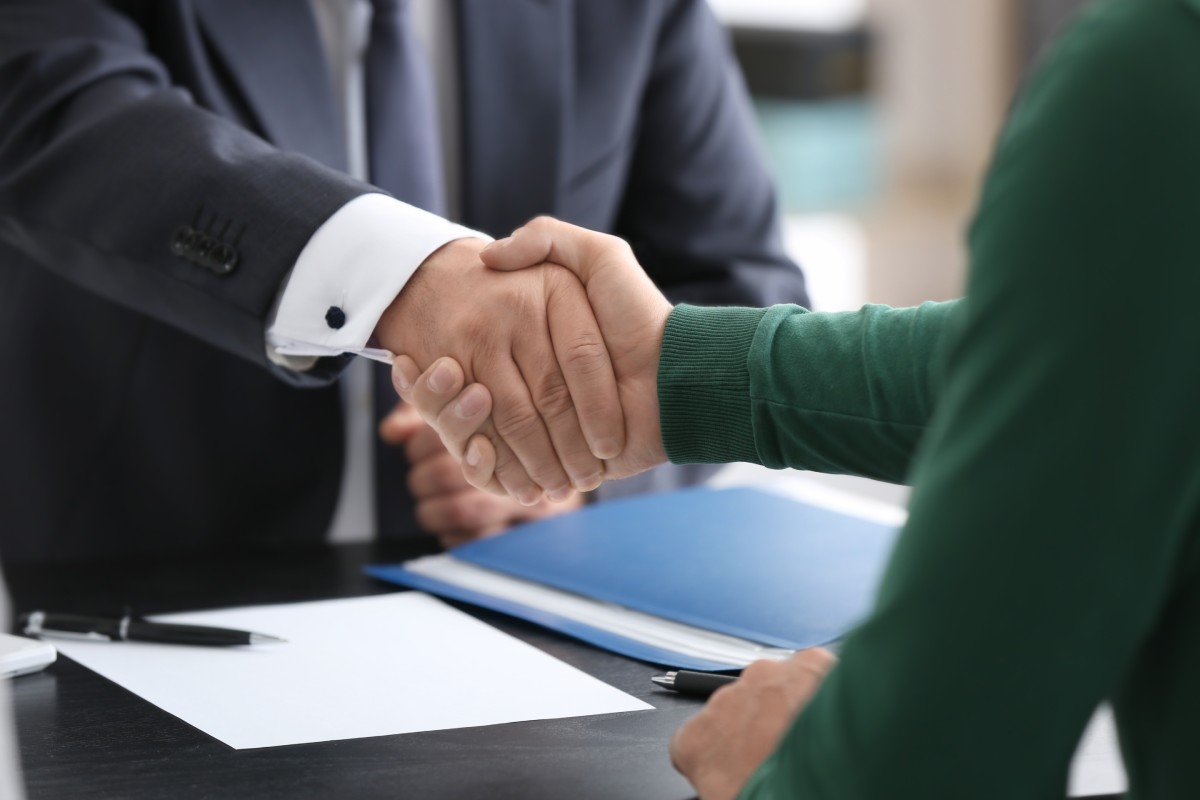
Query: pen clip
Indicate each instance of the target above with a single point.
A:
(34, 626)
(91, 636)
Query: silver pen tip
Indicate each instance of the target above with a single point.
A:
(264, 638)
(663, 680)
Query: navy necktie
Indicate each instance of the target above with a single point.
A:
(405, 161)
(401, 110)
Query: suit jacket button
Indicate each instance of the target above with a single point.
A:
(222, 259)
(181, 240)
(204, 246)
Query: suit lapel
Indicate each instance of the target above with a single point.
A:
(516, 58)
(273, 52)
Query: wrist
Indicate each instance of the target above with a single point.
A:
(415, 307)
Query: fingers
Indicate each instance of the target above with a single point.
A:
(527, 463)
(400, 425)
(450, 508)
(548, 239)
(436, 474)
(535, 422)
(425, 444)
(720, 748)
(455, 418)
(462, 517)
(405, 373)
(570, 397)
(429, 391)
(588, 371)
(463, 514)
(479, 462)
(453, 412)
(456, 513)
(467, 515)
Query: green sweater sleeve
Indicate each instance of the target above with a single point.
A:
(842, 393)
(1051, 558)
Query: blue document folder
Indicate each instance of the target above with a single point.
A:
(740, 562)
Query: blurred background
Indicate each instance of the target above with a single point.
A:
(878, 117)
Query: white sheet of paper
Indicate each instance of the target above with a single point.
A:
(369, 666)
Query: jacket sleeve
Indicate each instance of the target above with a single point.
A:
(114, 180)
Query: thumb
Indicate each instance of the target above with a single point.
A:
(547, 239)
(400, 425)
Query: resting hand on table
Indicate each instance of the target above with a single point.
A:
(632, 315)
(742, 723)
(447, 506)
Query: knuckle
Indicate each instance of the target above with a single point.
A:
(552, 399)
(760, 671)
(516, 423)
(584, 355)
(622, 247)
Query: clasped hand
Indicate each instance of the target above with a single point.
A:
(596, 282)
(532, 339)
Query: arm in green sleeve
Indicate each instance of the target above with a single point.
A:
(1053, 528)
(844, 392)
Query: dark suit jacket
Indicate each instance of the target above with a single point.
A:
(138, 411)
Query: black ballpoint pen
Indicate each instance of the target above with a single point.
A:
(701, 684)
(128, 628)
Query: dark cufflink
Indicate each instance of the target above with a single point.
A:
(335, 317)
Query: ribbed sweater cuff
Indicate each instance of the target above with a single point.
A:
(704, 385)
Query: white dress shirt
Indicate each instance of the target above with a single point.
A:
(363, 255)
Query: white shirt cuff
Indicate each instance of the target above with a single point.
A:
(350, 271)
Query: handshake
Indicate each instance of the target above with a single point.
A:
(537, 362)
(559, 392)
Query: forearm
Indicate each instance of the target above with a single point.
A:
(845, 392)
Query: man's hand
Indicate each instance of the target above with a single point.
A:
(742, 723)
(447, 506)
(632, 316)
(532, 339)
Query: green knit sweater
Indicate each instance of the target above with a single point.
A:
(1050, 424)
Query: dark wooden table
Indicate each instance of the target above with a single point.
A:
(84, 737)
